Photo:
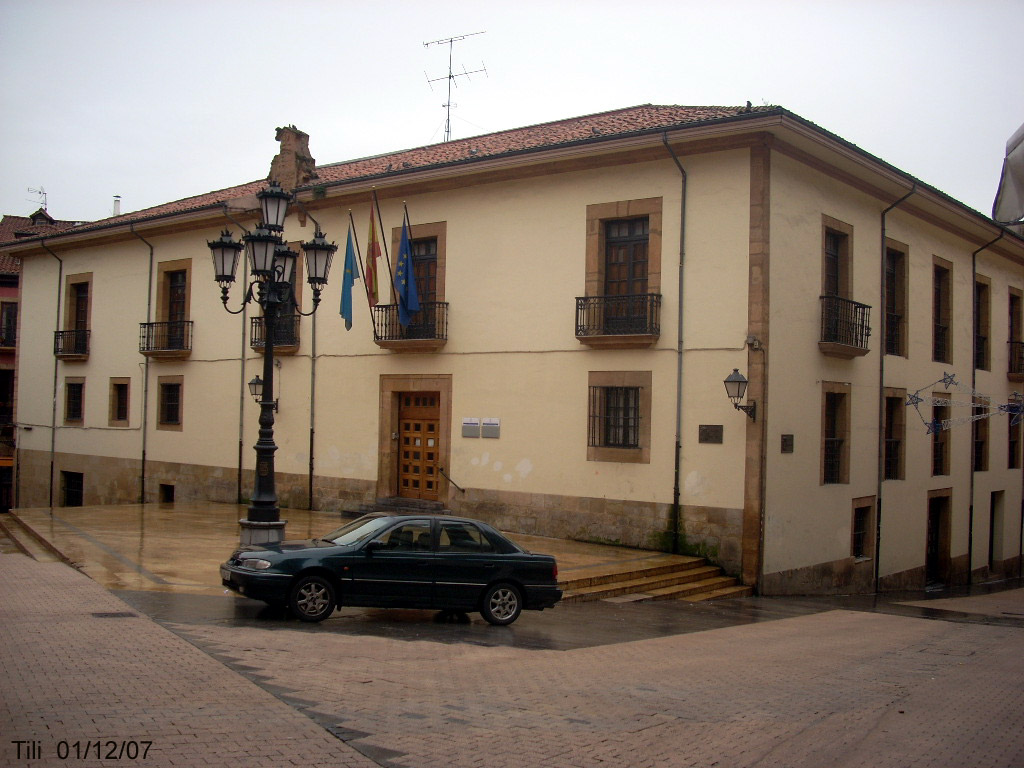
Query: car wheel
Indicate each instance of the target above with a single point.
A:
(502, 604)
(312, 599)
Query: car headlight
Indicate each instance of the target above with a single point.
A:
(254, 563)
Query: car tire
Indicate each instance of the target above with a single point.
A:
(502, 604)
(312, 598)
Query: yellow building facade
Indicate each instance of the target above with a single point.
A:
(587, 286)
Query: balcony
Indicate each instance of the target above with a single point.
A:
(286, 334)
(619, 322)
(845, 327)
(166, 341)
(8, 339)
(426, 332)
(71, 345)
(1015, 371)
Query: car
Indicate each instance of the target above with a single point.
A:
(398, 561)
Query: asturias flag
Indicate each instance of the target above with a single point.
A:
(351, 273)
(372, 254)
(405, 280)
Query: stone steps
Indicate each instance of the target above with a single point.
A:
(693, 580)
(26, 540)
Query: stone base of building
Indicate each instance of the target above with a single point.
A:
(711, 532)
(840, 577)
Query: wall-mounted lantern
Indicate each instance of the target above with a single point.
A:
(736, 389)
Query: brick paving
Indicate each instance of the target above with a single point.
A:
(839, 688)
(76, 670)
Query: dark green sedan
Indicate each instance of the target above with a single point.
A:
(398, 561)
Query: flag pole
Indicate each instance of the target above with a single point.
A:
(359, 257)
(384, 242)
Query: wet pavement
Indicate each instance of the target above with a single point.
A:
(839, 681)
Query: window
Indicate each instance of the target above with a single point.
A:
(424, 268)
(941, 308)
(119, 392)
(408, 537)
(73, 341)
(427, 329)
(895, 298)
(74, 400)
(619, 416)
(1013, 442)
(845, 323)
(982, 315)
(169, 405)
(940, 437)
(862, 538)
(8, 324)
(1016, 364)
(835, 426)
(895, 433)
(623, 275)
(171, 335)
(980, 433)
(463, 537)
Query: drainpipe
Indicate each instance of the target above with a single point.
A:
(974, 387)
(679, 349)
(880, 473)
(53, 414)
(145, 369)
(312, 412)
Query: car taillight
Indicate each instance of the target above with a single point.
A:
(554, 569)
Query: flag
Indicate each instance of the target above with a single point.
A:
(372, 254)
(351, 273)
(405, 280)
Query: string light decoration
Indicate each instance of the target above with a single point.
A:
(982, 405)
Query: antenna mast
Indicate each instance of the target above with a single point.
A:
(450, 41)
(42, 195)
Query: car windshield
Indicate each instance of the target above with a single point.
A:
(357, 530)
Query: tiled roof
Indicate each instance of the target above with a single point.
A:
(19, 227)
(603, 125)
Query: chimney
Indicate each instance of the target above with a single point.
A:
(117, 205)
(293, 166)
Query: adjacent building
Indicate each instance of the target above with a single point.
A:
(586, 286)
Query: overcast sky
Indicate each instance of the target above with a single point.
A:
(156, 100)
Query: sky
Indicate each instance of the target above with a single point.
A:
(158, 100)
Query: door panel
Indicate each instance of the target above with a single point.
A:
(419, 420)
(398, 575)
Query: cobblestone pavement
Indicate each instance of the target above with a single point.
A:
(85, 678)
(839, 688)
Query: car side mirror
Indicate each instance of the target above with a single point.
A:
(373, 546)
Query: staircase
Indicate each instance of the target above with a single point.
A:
(688, 578)
(26, 540)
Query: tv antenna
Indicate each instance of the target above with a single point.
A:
(450, 41)
(42, 196)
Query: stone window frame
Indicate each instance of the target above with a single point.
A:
(902, 296)
(981, 324)
(868, 553)
(161, 382)
(112, 419)
(597, 215)
(845, 277)
(70, 281)
(437, 230)
(74, 381)
(842, 429)
(638, 379)
(899, 427)
(943, 314)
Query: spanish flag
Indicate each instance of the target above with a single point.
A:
(372, 254)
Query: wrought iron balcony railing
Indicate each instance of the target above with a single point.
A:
(845, 322)
(633, 315)
(429, 324)
(170, 339)
(286, 332)
(70, 344)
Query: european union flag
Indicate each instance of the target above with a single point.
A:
(351, 273)
(405, 280)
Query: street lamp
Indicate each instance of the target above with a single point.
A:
(736, 388)
(271, 264)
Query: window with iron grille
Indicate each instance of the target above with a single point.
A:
(941, 306)
(74, 396)
(982, 313)
(895, 302)
(940, 440)
(119, 393)
(835, 437)
(1013, 444)
(614, 417)
(861, 539)
(895, 431)
(8, 324)
(980, 453)
(169, 405)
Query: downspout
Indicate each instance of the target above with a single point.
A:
(53, 415)
(974, 388)
(679, 350)
(312, 412)
(880, 468)
(145, 369)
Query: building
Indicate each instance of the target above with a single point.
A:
(14, 228)
(586, 287)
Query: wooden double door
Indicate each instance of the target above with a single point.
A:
(419, 445)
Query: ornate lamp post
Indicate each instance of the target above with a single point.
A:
(271, 264)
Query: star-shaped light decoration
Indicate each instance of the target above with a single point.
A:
(949, 380)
